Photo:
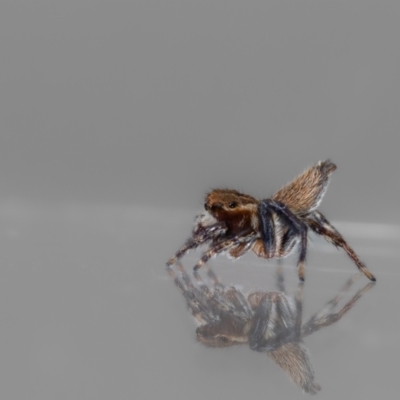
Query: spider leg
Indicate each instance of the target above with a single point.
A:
(200, 236)
(280, 280)
(203, 285)
(240, 250)
(274, 323)
(295, 228)
(181, 280)
(188, 291)
(319, 224)
(225, 299)
(267, 228)
(211, 275)
(299, 307)
(302, 256)
(323, 319)
(217, 285)
(260, 324)
(223, 245)
(201, 300)
(241, 307)
(185, 279)
(330, 306)
(312, 323)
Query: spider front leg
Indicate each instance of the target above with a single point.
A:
(200, 235)
(319, 224)
(224, 245)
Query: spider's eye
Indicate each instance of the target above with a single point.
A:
(232, 204)
(223, 339)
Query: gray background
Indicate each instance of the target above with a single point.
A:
(116, 117)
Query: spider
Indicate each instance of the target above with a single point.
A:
(235, 223)
(268, 322)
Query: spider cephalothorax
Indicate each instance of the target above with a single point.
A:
(237, 211)
(234, 222)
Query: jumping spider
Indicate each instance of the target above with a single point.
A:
(234, 222)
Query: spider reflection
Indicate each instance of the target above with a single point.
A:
(269, 322)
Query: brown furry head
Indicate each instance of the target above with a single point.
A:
(233, 208)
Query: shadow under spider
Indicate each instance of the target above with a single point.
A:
(269, 322)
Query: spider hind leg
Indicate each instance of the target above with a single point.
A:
(319, 224)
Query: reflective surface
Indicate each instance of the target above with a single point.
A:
(89, 311)
(117, 117)
(269, 322)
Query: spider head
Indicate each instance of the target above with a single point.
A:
(222, 202)
(233, 208)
